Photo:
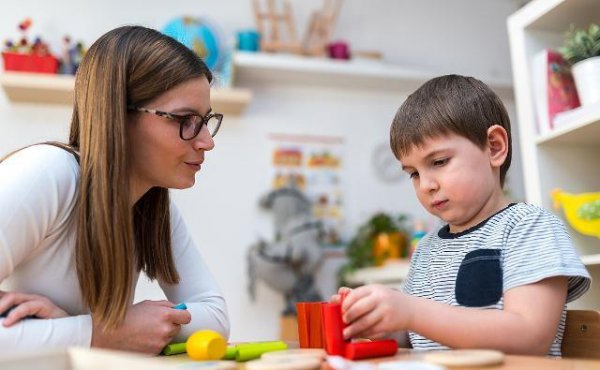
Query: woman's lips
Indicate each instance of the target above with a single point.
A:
(194, 165)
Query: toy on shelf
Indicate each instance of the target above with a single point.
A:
(71, 56)
(24, 56)
(272, 41)
(205, 38)
(319, 31)
(315, 42)
(582, 211)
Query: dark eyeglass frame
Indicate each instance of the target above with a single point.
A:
(180, 118)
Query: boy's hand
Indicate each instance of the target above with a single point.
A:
(18, 306)
(374, 311)
(341, 294)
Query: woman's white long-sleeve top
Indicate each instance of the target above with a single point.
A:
(38, 192)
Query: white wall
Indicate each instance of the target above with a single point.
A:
(463, 36)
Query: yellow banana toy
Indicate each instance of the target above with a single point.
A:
(582, 211)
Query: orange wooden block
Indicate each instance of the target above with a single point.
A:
(303, 324)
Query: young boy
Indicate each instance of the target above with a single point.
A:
(497, 275)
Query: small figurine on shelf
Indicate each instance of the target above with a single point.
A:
(39, 48)
(70, 56)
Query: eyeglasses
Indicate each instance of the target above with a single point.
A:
(189, 124)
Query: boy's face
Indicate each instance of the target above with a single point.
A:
(455, 180)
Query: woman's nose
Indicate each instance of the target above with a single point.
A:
(204, 141)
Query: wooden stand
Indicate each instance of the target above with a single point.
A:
(319, 30)
(273, 41)
(317, 35)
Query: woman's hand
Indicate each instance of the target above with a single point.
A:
(374, 311)
(22, 305)
(148, 327)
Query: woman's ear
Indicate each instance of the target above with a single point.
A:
(497, 141)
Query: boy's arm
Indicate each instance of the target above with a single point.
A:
(402, 338)
(527, 324)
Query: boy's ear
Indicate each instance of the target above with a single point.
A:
(497, 141)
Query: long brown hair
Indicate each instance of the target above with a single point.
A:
(127, 66)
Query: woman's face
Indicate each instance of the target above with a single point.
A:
(159, 157)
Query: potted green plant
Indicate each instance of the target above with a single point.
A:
(362, 250)
(582, 50)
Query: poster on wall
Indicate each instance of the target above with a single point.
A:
(312, 164)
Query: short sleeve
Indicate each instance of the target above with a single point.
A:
(38, 187)
(539, 247)
(416, 262)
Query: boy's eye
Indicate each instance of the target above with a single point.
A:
(440, 162)
(413, 175)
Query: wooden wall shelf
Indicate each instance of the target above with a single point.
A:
(355, 73)
(58, 89)
(253, 68)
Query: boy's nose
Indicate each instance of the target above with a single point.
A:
(428, 184)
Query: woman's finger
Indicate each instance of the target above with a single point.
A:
(10, 299)
(29, 308)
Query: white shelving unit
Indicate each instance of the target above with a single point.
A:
(361, 73)
(566, 158)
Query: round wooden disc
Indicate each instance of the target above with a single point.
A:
(465, 357)
(317, 353)
(408, 365)
(208, 365)
(284, 363)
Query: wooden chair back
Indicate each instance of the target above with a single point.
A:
(582, 334)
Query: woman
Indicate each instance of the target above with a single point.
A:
(78, 222)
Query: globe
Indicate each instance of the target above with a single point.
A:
(198, 35)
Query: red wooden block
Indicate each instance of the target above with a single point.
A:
(303, 324)
(377, 348)
(333, 327)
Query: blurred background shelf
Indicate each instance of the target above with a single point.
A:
(393, 273)
(23, 87)
(253, 69)
(355, 73)
(591, 259)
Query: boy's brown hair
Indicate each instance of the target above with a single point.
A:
(449, 104)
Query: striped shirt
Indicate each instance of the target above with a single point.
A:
(522, 244)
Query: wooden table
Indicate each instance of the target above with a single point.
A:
(512, 362)
(83, 359)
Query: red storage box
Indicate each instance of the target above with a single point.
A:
(30, 63)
